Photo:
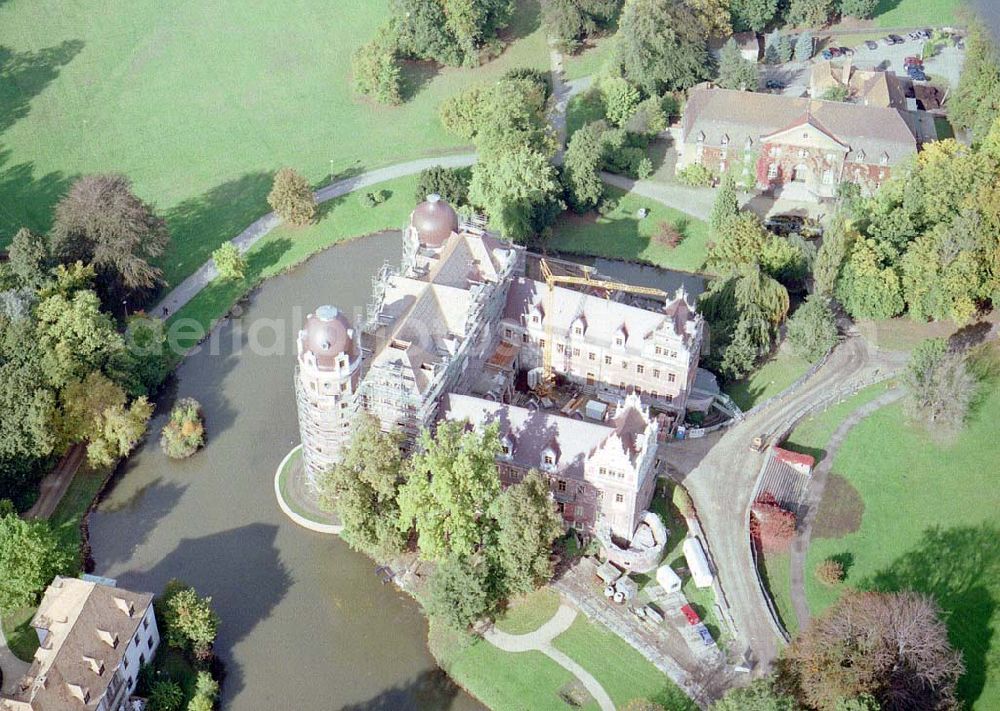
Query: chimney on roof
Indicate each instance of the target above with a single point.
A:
(125, 606)
(846, 76)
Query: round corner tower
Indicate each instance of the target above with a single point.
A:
(327, 376)
(432, 222)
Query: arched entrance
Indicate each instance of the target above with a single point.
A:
(800, 174)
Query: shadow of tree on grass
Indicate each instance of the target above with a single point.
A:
(960, 568)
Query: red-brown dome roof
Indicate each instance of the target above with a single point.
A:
(434, 220)
(327, 334)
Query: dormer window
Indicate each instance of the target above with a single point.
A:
(506, 447)
(749, 144)
(549, 459)
(885, 159)
(725, 140)
(860, 157)
(701, 136)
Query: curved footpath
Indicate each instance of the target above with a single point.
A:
(181, 294)
(11, 667)
(800, 546)
(541, 641)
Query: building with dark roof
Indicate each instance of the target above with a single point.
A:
(93, 638)
(796, 147)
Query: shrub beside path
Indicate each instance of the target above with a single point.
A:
(541, 640)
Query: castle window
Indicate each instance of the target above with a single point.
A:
(827, 177)
(640, 368)
(578, 511)
(607, 360)
(603, 471)
(561, 485)
(772, 171)
(592, 356)
(534, 319)
(581, 489)
(656, 373)
(671, 377)
(541, 342)
(624, 365)
(619, 341)
(559, 348)
(507, 332)
(576, 351)
(524, 338)
(659, 351)
(619, 498)
(578, 331)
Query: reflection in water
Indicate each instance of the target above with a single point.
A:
(305, 622)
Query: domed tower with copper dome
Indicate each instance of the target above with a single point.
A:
(327, 376)
(432, 222)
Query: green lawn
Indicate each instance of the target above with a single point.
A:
(911, 13)
(588, 61)
(503, 680)
(776, 374)
(621, 235)
(583, 109)
(200, 102)
(340, 219)
(928, 523)
(623, 672)
(528, 613)
(775, 575)
(21, 636)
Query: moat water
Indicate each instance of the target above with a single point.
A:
(306, 623)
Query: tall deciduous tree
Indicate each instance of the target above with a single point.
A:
(891, 646)
(660, 46)
(102, 222)
(736, 72)
(518, 189)
(458, 592)
(451, 483)
(363, 489)
(868, 288)
(229, 262)
(858, 8)
(119, 430)
(189, 620)
(582, 167)
(940, 387)
(976, 102)
(753, 14)
(30, 556)
(527, 526)
(291, 198)
(758, 696)
(75, 337)
(29, 259)
(810, 13)
(714, 16)
(812, 329)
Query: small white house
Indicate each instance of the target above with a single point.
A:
(697, 562)
(668, 579)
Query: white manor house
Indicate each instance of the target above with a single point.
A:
(455, 333)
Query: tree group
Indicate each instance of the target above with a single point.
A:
(488, 544)
(449, 32)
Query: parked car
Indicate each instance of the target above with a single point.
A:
(916, 73)
(913, 62)
(896, 39)
(871, 44)
(846, 51)
(924, 34)
(915, 36)
(784, 224)
(691, 615)
(774, 84)
(705, 635)
(825, 54)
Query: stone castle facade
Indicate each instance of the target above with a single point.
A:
(448, 334)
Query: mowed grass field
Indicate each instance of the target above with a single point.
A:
(911, 13)
(622, 235)
(903, 511)
(199, 103)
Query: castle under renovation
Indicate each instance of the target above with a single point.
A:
(457, 333)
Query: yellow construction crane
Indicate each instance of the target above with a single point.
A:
(548, 379)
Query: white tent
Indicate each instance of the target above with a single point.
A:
(668, 579)
(697, 561)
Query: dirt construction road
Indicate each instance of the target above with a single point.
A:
(722, 483)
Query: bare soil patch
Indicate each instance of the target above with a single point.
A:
(840, 510)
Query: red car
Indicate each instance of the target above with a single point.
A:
(913, 62)
(691, 615)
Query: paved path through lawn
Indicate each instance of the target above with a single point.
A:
(189, 288)
(560, 100)
(12, 667)
(693, 201)
(800, 546)
(541, 640)
(56, 482)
